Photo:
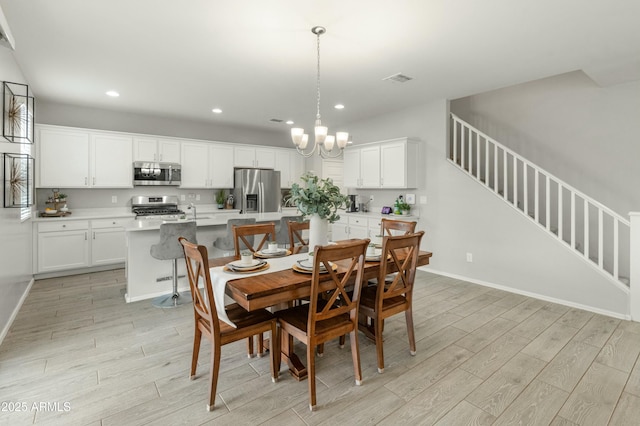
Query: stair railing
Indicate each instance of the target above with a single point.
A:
(595, 232)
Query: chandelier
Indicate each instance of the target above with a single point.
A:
(323, 142)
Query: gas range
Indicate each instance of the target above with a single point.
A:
(163, 207)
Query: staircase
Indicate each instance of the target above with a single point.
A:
(594, 232)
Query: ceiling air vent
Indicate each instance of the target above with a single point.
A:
(398, 78)
(276, 120)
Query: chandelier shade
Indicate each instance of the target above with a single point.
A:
(323, 141)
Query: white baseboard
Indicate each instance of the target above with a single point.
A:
(14, 314)
(528, 294)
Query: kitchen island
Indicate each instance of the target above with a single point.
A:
(148, 277)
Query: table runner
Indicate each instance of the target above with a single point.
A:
(219, 279)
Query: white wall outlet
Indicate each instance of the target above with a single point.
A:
(410, 198)
(469, 257)
(370, 198)
(197, 197)
(114, 199)
(423, 199)
(182, 197)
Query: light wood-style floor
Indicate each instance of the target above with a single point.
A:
(78, 354)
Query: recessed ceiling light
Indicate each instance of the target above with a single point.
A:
(216, 111)
(113, 93)
(339, 106)
(289, 122)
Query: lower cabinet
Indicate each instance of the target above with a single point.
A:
(355, 226)
(63, 245)
(74, 244)
(108, 244)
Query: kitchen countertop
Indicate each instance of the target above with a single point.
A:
(86, 214)
(377, 214)
(204, 219)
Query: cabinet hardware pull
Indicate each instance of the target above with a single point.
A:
(94, 235)
(64, 226)
(85, 236)
(85, 181)
(94, 180)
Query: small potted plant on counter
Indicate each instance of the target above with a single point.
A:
(221, 198)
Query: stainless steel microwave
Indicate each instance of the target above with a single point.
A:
(149, 173)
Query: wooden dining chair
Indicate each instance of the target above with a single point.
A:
(382, 301)
(297, 243)
(332, 311)
(244, 239)
(392, 227)
(218, 332)
(243, 236)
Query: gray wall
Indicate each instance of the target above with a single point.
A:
(16, 237)
(584, 134)
(102, 119)
(460, 217)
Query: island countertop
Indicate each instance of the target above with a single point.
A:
(204, 219)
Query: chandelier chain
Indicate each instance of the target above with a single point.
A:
(318, 76)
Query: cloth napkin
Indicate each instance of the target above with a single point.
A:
(219, 279)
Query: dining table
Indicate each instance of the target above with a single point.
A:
(272, 289)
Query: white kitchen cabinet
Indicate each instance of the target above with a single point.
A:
(154, 149)
(63, 245)
(250, 156)
(76, 158)
(297, 167)
(207, 165)
(111, 161)
(63, 158)
(290, 165)
(387, 164)
(340, 229)
(399, 164)
(108, 241)
(370, 166)
(358, 227)
(351, 168)
(221, 163)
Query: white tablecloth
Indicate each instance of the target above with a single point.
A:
(219, 279)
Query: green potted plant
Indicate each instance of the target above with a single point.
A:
(221, 198)
(319, 199)
(404, 208)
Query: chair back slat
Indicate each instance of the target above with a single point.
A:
(241, 233)
(390, 227)
(335, 299)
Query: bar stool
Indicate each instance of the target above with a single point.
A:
(226, 243)
(169, 248)
(282, 230)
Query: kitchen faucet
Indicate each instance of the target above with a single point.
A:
(193, 206)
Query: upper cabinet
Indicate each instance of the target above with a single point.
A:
(154, 149)
(387, 164)
(63, 158)
(250, 156)
(207, 165)
(76, 158)
(290, 165)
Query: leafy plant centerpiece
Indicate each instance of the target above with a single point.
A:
(319, 199)
(318, 196)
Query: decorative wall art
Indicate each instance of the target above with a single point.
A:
(18, 180)
(18, 108)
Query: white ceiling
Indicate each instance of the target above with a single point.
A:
(255, 59)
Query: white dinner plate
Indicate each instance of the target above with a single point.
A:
(276, 251)
(237, 264)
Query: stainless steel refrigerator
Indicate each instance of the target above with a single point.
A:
(257, 190)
